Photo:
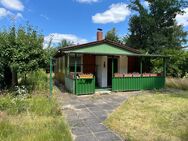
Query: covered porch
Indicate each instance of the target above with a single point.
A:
(110, 71)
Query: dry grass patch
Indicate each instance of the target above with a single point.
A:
(152, 117)
(177, 83)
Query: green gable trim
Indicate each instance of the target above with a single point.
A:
(102, 49)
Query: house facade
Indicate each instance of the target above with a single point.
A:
(105, 64)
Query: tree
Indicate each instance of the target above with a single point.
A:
(155, 28)
(22, 50)
(112, 35)
(177, 63)
(65, 43)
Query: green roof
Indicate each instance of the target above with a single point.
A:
(101, 49)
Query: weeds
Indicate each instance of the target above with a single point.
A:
(177, 83)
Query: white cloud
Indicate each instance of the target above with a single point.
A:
(4, 12)
(13, 4)
(18, 15)
(183, 19)
(115, 14)
(57, 38)
(87, 1)
(44, 16)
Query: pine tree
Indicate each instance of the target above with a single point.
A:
(155, 28)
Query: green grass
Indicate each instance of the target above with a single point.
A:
(152, 117)
(35, 81)
(32, 119)
(177, 83)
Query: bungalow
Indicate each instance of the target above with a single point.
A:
(105, 64)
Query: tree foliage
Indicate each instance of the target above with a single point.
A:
(112, 35)
(154, 28)
(21, 50)
(65, 43)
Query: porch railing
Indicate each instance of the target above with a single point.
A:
(80, 86)
(137, 83)
(85, 86)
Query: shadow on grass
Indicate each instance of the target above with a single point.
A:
(171, 92)
(180, 95)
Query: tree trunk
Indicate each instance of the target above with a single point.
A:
(14, 78)
(8, 77)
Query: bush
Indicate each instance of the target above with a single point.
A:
(37, 81)
(176, 63)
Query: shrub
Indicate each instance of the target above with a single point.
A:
(37, 81)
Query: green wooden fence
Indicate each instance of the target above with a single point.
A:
(70, 84)
(80, 86)
(85, 86)
(137, 83)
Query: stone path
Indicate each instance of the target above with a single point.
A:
(85, 115)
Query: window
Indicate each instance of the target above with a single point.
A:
(72, 63)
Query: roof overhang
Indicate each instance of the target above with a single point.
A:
(118, 54)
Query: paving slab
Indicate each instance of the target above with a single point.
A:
(107, 136)
(78, 131)
(85, 114)
(90, 137)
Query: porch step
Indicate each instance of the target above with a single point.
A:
(103, 91)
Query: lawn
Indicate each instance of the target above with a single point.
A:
(31, 119)
(152, 117)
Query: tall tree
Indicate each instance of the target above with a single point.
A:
(155, 28)
(65, 43)
(112, 35)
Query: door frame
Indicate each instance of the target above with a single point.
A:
(109, 73)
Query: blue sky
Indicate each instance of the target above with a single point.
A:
(75, 20)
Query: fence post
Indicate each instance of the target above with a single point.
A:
(68, 64)
(141, 66)
(51, 81)
(164, 67)
(112, 66)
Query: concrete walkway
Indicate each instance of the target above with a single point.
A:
(85, 115)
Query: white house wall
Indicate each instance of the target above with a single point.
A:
(123, 64)
(101, 70)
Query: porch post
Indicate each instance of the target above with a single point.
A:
(68, 64)
(112, 66)
(164, 67)
(75, 65)
(141, 67)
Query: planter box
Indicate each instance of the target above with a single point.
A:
(118, 75)
(136, 75)
(153, 74)
(146, 74)
(128, 74)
